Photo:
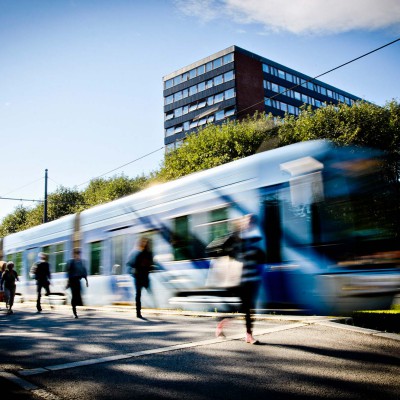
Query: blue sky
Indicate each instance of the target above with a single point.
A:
(81, 80)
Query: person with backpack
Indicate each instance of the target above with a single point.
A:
(8, 278)
(42, 276)
(76, 271)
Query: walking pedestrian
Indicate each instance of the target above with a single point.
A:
(76, 271)
(3, 266)
(140, 260)
(8, 278)
(42, 276)
(243, 244)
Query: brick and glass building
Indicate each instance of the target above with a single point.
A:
(234, 83)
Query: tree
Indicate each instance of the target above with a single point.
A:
(14, 222)
(217, 144)
(102, 191)
(362, 124)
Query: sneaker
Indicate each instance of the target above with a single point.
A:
(250, 339)
(218, 331)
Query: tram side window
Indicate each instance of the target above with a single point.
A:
(16, 258)
(180, 239)
(59, 262)
(218, 223)
(117, 246)
(56, 256)
(185, 244)
(95, 258)
(31, 259)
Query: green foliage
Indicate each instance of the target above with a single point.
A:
(217, 144)
(66, 201)
(386, 320)
(14, 222)
(363, 124)
(102, 191)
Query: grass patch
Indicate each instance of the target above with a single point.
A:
(381, 320)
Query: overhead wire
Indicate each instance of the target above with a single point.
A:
(241, 111)
(318, 76)
(28, 184)
(124, 165)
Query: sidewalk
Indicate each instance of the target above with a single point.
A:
(13, 387)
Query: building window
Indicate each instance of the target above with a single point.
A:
(218, 80)
(218, 98)
(178, 129)
(201, 70)
(177, 96)
(201, 86)
(217, 63)
(192, 90)
(169, 83)
(228, 76)
(209, 66)
(177, 80)
(219, 115)
(185, 77)
(170, 147)
(169, 131)
(192, 73)
(229, 112)
(169, 99)
(229, 94)
(228, 58)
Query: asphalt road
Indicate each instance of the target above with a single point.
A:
(109, 354)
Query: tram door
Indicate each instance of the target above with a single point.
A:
(275, 283)
(273, 229)
(95, 258)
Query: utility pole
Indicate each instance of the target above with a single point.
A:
(45, 198)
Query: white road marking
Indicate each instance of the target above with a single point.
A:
(100, 360)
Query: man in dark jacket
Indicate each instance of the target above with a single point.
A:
(42, 276)
(140, 261)
(8, 278)
(76, 271)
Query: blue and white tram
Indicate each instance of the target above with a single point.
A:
(325, 253)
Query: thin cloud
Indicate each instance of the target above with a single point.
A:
(205, 10)
(300, 16)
